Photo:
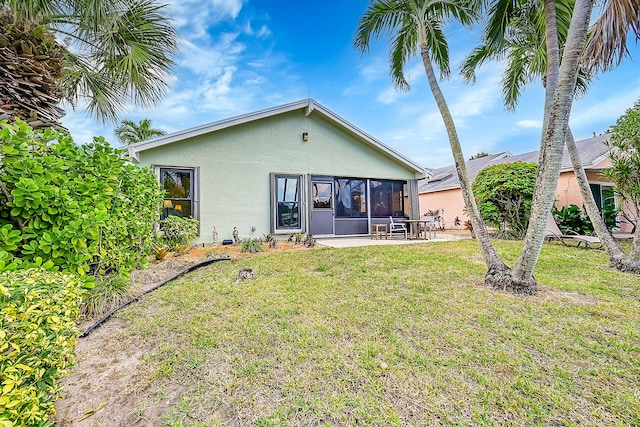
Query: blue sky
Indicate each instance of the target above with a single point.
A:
(241, 56)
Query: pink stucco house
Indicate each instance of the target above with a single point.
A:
(442, 189)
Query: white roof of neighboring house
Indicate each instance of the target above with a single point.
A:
(592, 152)
(309, 105)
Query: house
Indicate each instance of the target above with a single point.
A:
(295, 168)
(442, 190)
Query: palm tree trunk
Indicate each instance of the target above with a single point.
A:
(553, 143)
(553, 65)
(617, 257)
(493, 261)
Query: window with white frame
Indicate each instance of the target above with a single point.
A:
(287, 209)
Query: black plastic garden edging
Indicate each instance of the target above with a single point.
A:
(136, 298)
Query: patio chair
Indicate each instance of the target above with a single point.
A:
(553, 232)
(396, 227)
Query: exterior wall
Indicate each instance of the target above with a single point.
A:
(567, 193)
(452, 202)
(235, 166)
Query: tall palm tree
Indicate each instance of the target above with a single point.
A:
(525, 63)
(102, 52)
(416, 26)
(130, 132)
(420, 21)
(558, 105)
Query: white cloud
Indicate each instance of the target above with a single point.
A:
(529, 124)
(221, 86)
(209, 61)
(388, 96)
(263, 32)
(209, 13)
(374, 70)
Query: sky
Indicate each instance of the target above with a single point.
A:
(241, 56)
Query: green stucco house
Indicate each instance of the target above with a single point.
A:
(295, 168)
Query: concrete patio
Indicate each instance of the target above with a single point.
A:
(346, 242)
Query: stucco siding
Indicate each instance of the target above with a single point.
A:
(235, 165)
(452, 202)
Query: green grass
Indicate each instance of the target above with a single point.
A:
(394, 335)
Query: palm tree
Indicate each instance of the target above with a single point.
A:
(130, 132)
(527, 61)
(558, 105)
(105, 53)
(417, 26)
(413, 21)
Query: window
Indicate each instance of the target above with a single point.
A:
(288, 209)
(322, 193)
(387, 198)
(351, 198)
(604, 196)
(179, 187)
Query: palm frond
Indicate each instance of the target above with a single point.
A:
(403, 47)
(515, 77)
(119, 51)
(381, 17)
(437, 42)
(500, 13)
(478, 56)
(607, 43)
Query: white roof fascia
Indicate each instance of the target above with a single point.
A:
(310, 105)
(600, 158)
(503, 155)
(451, 187)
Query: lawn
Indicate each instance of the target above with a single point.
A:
(390, 335)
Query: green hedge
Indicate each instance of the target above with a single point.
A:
(504, 193)
(84, 208)
(38, 336)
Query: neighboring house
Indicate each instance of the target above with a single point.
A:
(296, 168)
(442, 190)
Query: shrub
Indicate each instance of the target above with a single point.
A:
(572, 218)
(107, 293)
(84, 208)
(160, 252)
(504, 193)
(38, 336)
(178, 233)
(625, 163)
(309, 241)
(251, 246)
(270, 240)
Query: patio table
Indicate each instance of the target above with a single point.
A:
(414, 227)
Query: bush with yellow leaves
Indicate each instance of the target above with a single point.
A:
(38, 336)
